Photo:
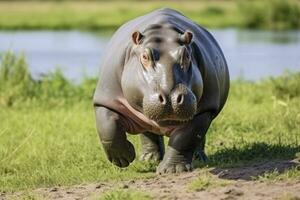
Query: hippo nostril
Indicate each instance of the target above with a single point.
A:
(162, 99)
(180, 99)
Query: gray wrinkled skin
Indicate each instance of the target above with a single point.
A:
(162, 75)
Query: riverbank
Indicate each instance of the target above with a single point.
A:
(108, 15)
(49, 140)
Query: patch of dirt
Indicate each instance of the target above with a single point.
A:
(175, 187)
(248, 172)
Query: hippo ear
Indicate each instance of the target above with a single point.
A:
(186, 37)
(137, 37)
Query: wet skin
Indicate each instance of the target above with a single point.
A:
(162, 75)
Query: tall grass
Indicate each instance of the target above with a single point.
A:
(17, 85)
(15, 79)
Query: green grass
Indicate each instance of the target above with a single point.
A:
(48, 134)
(100, 15)
(205, 180)
(275, 175)
(118, 194)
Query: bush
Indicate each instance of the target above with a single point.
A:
(15, 79)
(273, 14)
(16, 84)
(286, 86)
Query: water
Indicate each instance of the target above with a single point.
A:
(252, 55)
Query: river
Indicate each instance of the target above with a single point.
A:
(251, 55)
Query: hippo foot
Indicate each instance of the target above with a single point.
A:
(200, 155)
(150, 156)
(152, 147)
(167, 168)
(120, 154)
(175, 162)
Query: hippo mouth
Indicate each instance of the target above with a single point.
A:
(176, 108)
(173, 122)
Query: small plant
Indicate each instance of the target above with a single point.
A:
(274, 176)
(119, 194)
(200, 184)
(205, 181)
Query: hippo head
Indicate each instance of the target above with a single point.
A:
(160, 77)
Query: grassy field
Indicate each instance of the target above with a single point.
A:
(48, 135)
(99, 15)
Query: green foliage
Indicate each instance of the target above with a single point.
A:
(286, 87)
(214, 10)
(15, 80)
(120, 194)
(55, 85)
(95, 15)
(256, 14)
(101, 15)
(273, 14)
(17, 85)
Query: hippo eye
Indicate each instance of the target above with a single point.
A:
(146, 58)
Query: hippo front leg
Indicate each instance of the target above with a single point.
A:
(152, 147)
(112, 134)
(182, 145)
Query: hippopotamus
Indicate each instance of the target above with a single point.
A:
(162, 75)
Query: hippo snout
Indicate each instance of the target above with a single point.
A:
(175, 107)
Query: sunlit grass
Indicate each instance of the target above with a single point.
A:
(206, 181)
(118, 194)
(275, 175)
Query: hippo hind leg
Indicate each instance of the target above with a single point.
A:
(152, 147)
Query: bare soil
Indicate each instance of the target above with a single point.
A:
(241, 185)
